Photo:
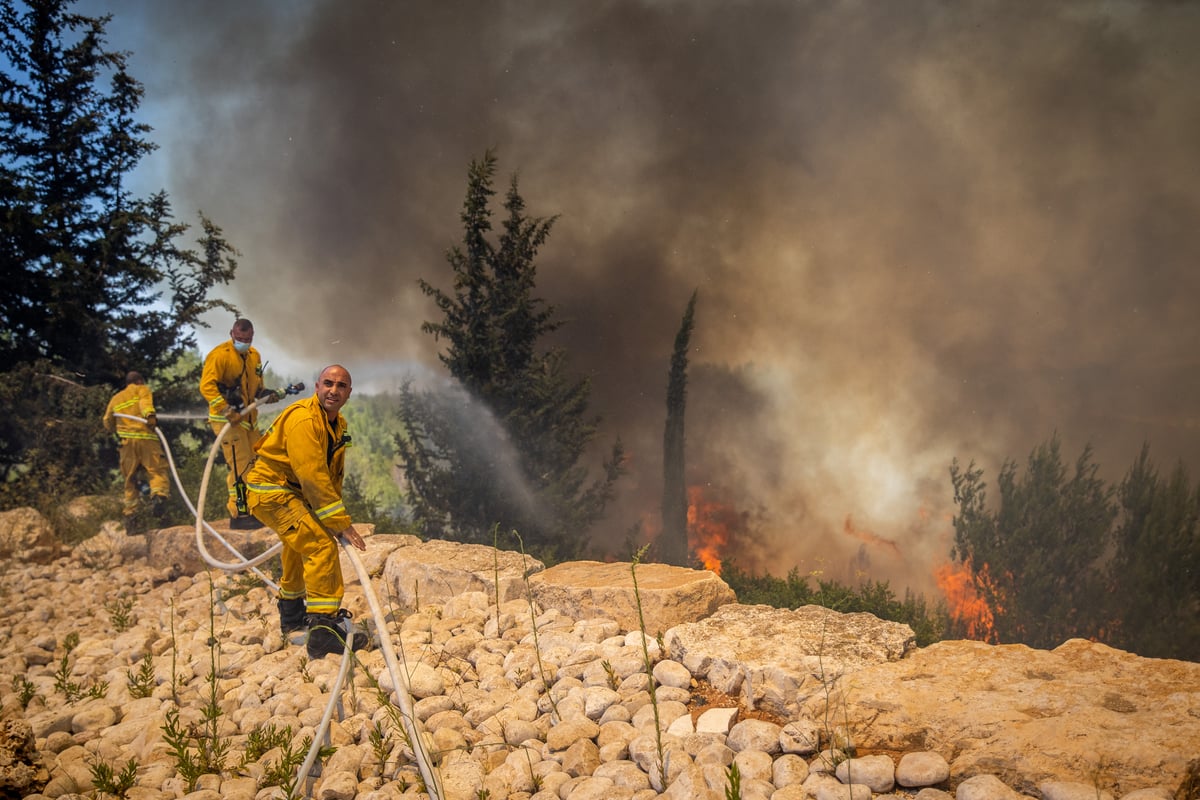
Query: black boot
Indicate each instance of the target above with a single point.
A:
(158, 507)
(291, 616)
(327, 634)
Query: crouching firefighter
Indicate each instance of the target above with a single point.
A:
(231, 379)
(295, 487)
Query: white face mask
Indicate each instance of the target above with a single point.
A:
(241, 347)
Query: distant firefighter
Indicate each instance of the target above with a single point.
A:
(231, 380)
(140, 449)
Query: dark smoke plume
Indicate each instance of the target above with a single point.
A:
(919, 230)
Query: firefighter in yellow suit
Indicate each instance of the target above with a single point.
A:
(140, 448)
(232, 378)
(295, 487)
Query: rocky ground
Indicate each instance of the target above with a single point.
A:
(114, 660)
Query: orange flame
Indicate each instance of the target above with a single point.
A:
(710, 527)
(969, 611)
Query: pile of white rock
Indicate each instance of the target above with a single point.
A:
(563, 713)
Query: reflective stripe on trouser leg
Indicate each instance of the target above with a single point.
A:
(310, 556)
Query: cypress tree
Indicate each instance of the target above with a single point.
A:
(674, 543)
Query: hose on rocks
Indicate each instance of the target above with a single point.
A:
(400, 689)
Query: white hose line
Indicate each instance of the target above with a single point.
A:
(400, 688)
(322, 731)
(208, 557)
(244, 563)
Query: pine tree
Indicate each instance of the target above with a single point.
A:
(95, 280)
(1042, 547)
(674, 549)
(1154, 576)
(85, 260)
(502, 445)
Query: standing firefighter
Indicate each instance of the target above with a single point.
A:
(231, 380)
(295, 486)
(140, 448)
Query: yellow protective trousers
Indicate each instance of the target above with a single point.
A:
(312, 568)
(238, 449)
(146, 454)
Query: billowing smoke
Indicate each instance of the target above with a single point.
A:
(918, 231)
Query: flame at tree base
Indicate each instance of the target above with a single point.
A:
(710, 527)
(969, 611)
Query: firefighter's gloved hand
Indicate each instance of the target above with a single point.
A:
(272, 397)
(151, 421)
(232, 416)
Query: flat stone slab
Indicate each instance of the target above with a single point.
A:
(1029, 715)
(26, 535)
(437, 570)
(669, 595)
(774, 659)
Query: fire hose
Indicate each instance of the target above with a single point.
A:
(417, 739)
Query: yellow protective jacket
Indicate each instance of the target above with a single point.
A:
(135, 400)
(226, 369)
(303, 454)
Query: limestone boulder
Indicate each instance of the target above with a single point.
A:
(379, 547)
(775, 659)
(110, 547)
(669, 595)
(22, 770)
(1029, 716)
(175, 548)
(437, 570)
(26, 535)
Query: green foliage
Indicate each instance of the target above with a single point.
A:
(1154, 577)
(379, 738)
(362, 508)
(107, 781)
(51, 437)
(1060, 558)
(119, 613)
(733, 782)
(97, 281)
(263, 739)
(141, 684)
(84, 260)
(1042, 546)
(503, 444)
(282, 773)
(178, 740)
(674, 542)
(68, 688)
(199, 749)
(373, 489)
(25, 689)
(652, 684)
